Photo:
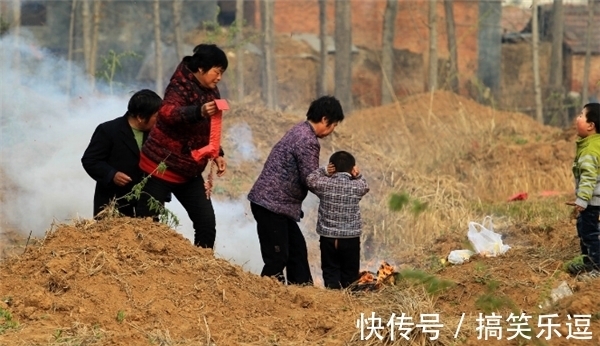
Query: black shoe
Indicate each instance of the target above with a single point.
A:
(588, 276)
(578, 268)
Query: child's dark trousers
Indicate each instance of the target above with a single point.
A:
(340, 261)
(589, 235)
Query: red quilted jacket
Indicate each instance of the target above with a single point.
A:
(180, 128)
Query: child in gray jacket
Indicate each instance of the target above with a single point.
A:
(339, 222)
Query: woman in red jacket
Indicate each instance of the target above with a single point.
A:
(182, 126)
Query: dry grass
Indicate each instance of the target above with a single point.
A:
(416, 304)
(452, 155)
(78, 334)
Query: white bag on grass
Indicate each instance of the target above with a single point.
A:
(459, 256)
(485, 241)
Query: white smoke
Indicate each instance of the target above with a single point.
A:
(243, 147)
(43, 133)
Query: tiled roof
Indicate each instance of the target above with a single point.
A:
(575, 27)
(514, 19)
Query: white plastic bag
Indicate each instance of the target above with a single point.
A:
(459, 256)
(485, 241)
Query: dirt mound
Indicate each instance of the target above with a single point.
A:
(444, 134)
(127, 281)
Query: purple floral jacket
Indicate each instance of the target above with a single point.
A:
(281, 186)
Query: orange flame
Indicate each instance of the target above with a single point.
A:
(385, 275)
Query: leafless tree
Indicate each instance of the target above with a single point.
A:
(239, 38)
(94, 41)
(556, 65)
(270, 78)
(451, 32)
(343, 54)
(322, 74)
(387, 51)
(177, 4)
(588, 53)
(539, 114)
(87, 34)
(158, 48)
(17, 34)
(70, 49)
(16, 14)
(433, 67)
(556, 68)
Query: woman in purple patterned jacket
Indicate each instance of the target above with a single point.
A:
(277, 195)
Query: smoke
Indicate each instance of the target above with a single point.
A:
(243, 148)
(43, 133)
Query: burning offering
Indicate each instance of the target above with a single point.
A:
(369, 281)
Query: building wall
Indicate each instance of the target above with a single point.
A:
(577, 67)
(517, 90)
(412, 32)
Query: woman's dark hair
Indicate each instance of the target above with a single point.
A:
(325, 106)
(144, 104)
(343, 161)
(206, 56)
(593, 114)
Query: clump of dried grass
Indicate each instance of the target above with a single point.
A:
(78, 334)
(413, 302)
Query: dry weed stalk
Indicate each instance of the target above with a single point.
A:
(94, 268)
(162, 338)
(208, 338)
(412, 301)
(78, 334)
(125, 286)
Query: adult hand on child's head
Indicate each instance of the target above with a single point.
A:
(209, 109)
(121, 179)
(221, 166)
(355, 172)
(330, 169)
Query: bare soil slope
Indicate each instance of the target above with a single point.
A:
(129, 281)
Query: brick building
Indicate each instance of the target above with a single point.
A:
(412, 32)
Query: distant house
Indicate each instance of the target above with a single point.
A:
(574, 41)
(575, 36)
(517, 92)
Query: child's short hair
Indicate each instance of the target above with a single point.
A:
(343, 161)
(327, 107)
(593, 115)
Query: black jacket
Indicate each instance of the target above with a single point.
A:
(112, 149)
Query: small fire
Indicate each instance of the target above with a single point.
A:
(385, 275)
(366, 277)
